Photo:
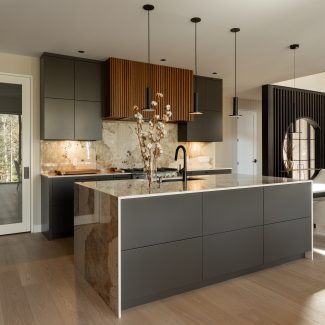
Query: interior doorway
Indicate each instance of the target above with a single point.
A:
(15, 154)
(247, 143)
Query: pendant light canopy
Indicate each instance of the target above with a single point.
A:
(196, 111)
(148, 107)
(235, 99)
(294, 47)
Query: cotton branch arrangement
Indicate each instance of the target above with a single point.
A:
(151, 135)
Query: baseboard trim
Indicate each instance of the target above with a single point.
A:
(37, 228)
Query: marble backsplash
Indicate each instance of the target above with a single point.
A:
(119, 148)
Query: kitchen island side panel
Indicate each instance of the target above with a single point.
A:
(96, 242)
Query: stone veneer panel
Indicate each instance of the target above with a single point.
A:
(96, 242)
(119, 148)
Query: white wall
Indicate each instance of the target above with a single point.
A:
(226, 150)
(255, 106)
(24, 65)
(315, 82)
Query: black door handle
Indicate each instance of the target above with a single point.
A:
(255, 161)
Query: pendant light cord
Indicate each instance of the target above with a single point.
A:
(294, 68)
(148, 36)
(235, 64)
(195, 45)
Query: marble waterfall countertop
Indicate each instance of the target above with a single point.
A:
(139, 188)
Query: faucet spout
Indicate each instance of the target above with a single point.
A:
(184, 169)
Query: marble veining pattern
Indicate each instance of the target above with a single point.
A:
(96, 242)
(120, 148)
(138, 188)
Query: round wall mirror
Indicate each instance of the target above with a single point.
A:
(300, 149)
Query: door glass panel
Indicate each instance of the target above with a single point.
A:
(10, 154)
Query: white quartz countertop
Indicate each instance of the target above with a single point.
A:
(139, 188)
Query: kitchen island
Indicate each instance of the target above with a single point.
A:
(133, 246)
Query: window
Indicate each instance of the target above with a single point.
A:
(299, 150)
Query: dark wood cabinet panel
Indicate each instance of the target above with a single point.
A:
(156, 271)
(287, 239)
(57, 76)
(88, 81)
(231, 210)
(231, 252)
(287, 202)
(57, 119)
(127, 82)
(154, 220)
(88, 120)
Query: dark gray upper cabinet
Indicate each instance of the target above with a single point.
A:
(88, 81)
(208, 126)
(58, 119)
(213, 94)
(71, 98)
(201, 88)
(57, 77)
(88, 120)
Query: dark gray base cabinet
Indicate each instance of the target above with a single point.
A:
(152, 272)
(232, 252)
(232, 209)
(58, 203)
(161, 219)
(286, 239)
(175, 243)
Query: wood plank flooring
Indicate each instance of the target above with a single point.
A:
(38, 285)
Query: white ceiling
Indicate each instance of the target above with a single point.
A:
(117, 28)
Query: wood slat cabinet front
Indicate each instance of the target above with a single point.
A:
(127, 82)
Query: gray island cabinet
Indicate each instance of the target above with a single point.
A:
(134, 247)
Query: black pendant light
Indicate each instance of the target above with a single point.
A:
(148, 107)
(196, 110)
(294, 47)
(235, 99)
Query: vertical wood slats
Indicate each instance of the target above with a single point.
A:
(287, 105)
(127, 87)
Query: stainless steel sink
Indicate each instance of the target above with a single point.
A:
(179, 179)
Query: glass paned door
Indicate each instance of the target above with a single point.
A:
(10, 169)
(14, 154)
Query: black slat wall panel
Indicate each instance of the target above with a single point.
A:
(281, 106)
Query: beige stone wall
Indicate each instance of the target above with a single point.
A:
(119, 148)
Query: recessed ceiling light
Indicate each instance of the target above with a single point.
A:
(81, 51)
(163, 60)
(214, 73)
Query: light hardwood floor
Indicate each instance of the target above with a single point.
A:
(38, 285)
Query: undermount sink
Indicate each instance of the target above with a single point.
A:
(179, 179)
